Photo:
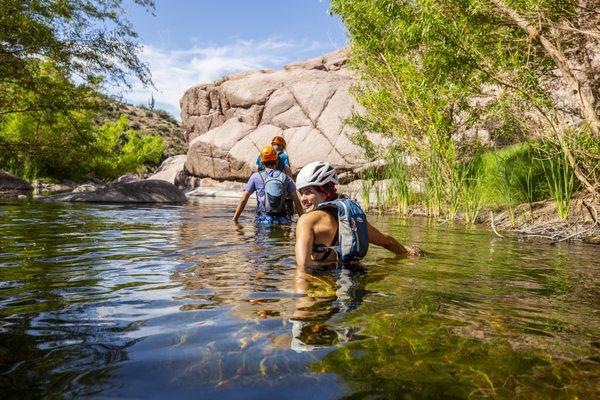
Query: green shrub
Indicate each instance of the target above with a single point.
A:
(514, 175)
(69, 145)
(47, 144)
(121, 150)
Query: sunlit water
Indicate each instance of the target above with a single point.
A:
(177, 301)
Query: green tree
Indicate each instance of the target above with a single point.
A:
(88, 41)
(31, 147)
(70, 143)
(120, 150)
(55, 55)
(431, 70)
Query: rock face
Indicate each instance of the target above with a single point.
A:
(228, 121)
(12, 184)
(147, 191)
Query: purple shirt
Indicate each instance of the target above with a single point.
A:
(256, 184)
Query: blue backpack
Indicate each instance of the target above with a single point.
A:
(353, 236)
(275, 193)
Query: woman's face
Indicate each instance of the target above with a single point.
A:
(311, 197)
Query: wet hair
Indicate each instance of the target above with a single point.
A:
(330, 191)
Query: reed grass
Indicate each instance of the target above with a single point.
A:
(527, 188)
(433, 194)
(455, 191)
(379, 198)
(560, 179)
(367, 178)
(505, 176)
(472, 199)
(398, 188)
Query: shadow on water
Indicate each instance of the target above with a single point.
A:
(177, 301)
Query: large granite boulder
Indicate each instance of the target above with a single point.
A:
(228, 121)
(146, 191)
(14, 185)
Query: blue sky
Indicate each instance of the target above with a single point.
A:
(189, 42)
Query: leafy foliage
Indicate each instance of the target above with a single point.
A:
(122, 150)
(69, 144)
(86, 40)
(54, 57)
(432, 74)
(32, 148)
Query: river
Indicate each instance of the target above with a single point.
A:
(178, 302)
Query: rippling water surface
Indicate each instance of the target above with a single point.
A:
(177, 301)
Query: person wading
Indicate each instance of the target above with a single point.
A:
(272, 187)
(283, 161)
(283, 165)
(334, 228)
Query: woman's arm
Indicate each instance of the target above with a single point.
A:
(387, 242)
(297, 203)
(241, 205)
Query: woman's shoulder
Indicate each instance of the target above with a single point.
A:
(318, 217)
(314, 215)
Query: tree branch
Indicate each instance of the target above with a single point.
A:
(586, 100)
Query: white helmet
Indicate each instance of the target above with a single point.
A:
(316, 173)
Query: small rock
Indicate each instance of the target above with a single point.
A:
(201, 192)
(40, 188)
(126, 179)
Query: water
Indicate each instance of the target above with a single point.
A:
(178, 302)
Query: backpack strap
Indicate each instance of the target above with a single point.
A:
(262, 176)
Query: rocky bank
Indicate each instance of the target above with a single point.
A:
(228, 121)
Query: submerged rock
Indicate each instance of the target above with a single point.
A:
(147, 191)
(10, 184)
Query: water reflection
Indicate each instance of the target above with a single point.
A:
(259, 281)
(113, 301)
(321, 295)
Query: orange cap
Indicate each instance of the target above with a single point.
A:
(268, 154)
(279, 140)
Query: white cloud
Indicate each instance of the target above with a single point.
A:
(175, 71)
